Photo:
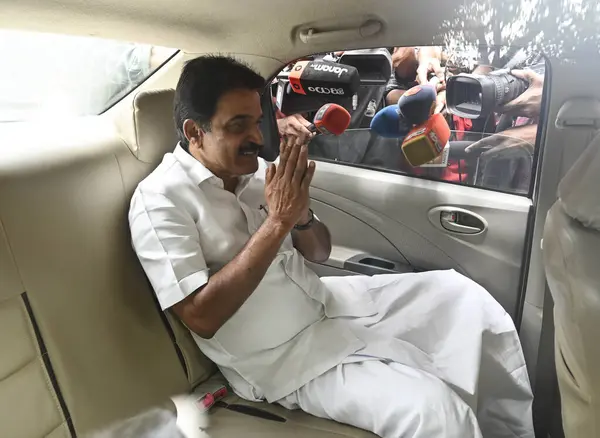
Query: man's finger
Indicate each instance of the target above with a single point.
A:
(492, 152)
(305, 122)
(437, 69)
(308, 175)
(532, 77)
(472, 148)
(526, 75)
(507, 143)
(512, 106)
(486, 143)
(306, 133)
(284, 152)
(481, 149)
(302, 139)
(292, 161)
(301, 135)
(300, 132)
(270, 173)
(301, 165)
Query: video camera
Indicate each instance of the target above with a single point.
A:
(472, 95)
(308, 85)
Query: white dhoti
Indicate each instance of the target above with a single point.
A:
(442, 358)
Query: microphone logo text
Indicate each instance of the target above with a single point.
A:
(327, 90)
(330, 69)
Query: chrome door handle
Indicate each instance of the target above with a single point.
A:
(457, 220)
(458, 228)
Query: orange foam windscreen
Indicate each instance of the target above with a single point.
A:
(427, 141)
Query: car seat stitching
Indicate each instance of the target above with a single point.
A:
(48, 365)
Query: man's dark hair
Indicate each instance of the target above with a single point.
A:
(203, 82)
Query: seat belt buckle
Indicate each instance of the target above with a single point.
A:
(208, 399)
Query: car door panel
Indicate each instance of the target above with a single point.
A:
(396, 210)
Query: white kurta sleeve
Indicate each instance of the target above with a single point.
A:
(167, 244)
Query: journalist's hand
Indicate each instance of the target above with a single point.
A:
(529, 103)
(430, 62)
(287, 184)
(522, 137)
(295, 127)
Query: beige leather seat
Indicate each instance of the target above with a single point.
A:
(64, 249)
(82, 343)
(572, 258)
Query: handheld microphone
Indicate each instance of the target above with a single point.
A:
(418, 104)
(324, 78)
(426, 142)
(330, 119)
(389, 123)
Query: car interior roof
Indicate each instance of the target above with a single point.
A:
(260, 27)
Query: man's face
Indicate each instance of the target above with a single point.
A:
(231, 147)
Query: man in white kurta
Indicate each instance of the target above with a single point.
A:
(414, 355)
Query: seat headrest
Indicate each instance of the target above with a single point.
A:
(150, 130)
(579, 190)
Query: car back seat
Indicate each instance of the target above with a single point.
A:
(67, 264)
(82, 342)
(26, 384)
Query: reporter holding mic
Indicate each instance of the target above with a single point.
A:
(413, 66)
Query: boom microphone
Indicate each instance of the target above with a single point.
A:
(418, 104)
(324, 78)
(389, 123)
(331, 119)
(426, 142)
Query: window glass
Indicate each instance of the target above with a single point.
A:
(46, 75)
(486, 106)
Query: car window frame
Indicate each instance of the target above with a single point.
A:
(166, 61)
(113, 100)
(536, 159)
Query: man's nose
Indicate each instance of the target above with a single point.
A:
(256, 135)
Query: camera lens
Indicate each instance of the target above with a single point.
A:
(507, 87)
(472, 96)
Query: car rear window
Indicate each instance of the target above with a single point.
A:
(49, 76)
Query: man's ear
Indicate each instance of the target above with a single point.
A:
(192, 132)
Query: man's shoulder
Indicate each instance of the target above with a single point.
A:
(168, 174)
(166, 181)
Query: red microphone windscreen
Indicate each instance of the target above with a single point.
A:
(332, 119)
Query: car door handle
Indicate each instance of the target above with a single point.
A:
(457, 220)
(458, 228)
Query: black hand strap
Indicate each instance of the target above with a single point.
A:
(307, 225)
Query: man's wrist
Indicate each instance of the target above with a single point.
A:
(305, 218)
(306, 224)
(277, 227)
